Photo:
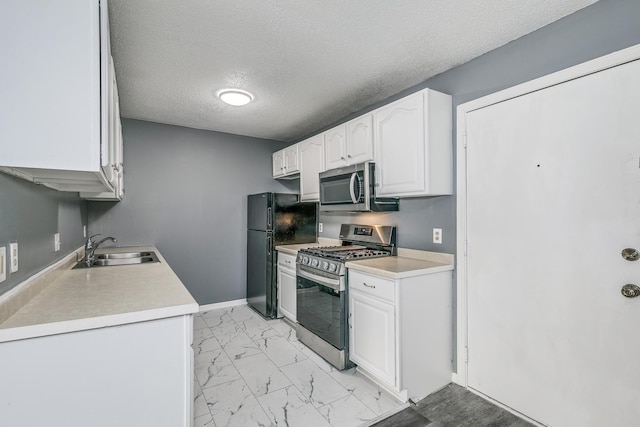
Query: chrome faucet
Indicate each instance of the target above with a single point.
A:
(90, 248)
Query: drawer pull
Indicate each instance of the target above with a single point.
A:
(369, 286)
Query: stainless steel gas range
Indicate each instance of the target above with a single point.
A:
(322, 289)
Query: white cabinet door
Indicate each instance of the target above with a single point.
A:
(51, 76)
(413, 146)
(360, 139)
(372, 336)
(399, 140)
(285, 162)
(278, 163)
(145, 371)
(287, 296)
(287, 286)
(66, 42)
(291, 164)
(335, 147)
(311, 164)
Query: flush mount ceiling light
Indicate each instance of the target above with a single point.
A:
(235, 97)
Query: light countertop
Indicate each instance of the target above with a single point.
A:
(97, 297)
(408, 263)
(394, 267)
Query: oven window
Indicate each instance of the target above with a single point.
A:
(335, 190)
(321, 310)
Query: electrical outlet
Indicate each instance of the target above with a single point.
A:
(319, 227)
(3, 264)
(56, 242)
(13, 253)
(437, 235)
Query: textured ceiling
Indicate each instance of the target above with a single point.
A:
(308, 63)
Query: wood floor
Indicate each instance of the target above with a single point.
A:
(453, 406)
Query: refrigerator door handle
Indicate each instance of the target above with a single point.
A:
(268, 218)
(269, 245)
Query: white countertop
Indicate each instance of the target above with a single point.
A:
(408, 263)
(395, 267)
(97, 297)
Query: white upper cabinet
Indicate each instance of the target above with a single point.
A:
(311, 164)
(360, 139)
(335, 144)
(286, 163)
(58, 87)
(350, 143)
(413, 146)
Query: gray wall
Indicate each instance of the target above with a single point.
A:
(31, 214)
(597, 30)
(186, 192)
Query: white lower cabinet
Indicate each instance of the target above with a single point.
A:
(373, 347)
(287, 286)
(137, 374)
(400, 331)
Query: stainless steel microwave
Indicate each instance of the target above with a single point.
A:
(352, 189)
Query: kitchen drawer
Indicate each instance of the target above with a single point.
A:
(287, 260)
(372, 285)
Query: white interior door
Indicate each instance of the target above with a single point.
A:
(553, 197)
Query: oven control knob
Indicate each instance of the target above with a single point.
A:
(305, 260)
(332, 267)
(325, 265)
(314, 262)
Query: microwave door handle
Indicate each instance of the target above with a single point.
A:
(352, 193)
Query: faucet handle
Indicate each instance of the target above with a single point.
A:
(89, 243)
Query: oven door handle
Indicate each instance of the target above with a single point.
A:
(335, 284)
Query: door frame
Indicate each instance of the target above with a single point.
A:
(593, 66)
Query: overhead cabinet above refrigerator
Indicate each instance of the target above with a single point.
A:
(60, 119)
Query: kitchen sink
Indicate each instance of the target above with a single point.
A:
(122, 255)
(111, 259)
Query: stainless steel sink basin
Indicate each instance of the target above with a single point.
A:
(122, 261)
(120, 258)
(115, 256)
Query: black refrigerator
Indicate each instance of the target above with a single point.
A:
(273, 219)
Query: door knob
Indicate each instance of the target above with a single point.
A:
(630, 291)
(630, 254)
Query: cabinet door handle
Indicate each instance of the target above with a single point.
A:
(369, 286)
(350, 326)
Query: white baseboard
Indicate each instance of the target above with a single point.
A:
(225, 304)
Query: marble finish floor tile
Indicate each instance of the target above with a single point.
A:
(366, 391)
(315, 384)
(214, 368)
(348, 411)
(280, 350)
(288, 407)
(237, 345)
(260, 374)
(198, 322)
(233, 404)
(254, 371)
(204, 340)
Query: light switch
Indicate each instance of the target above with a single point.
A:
(3, 264)
(13, 256)
(56, 242)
